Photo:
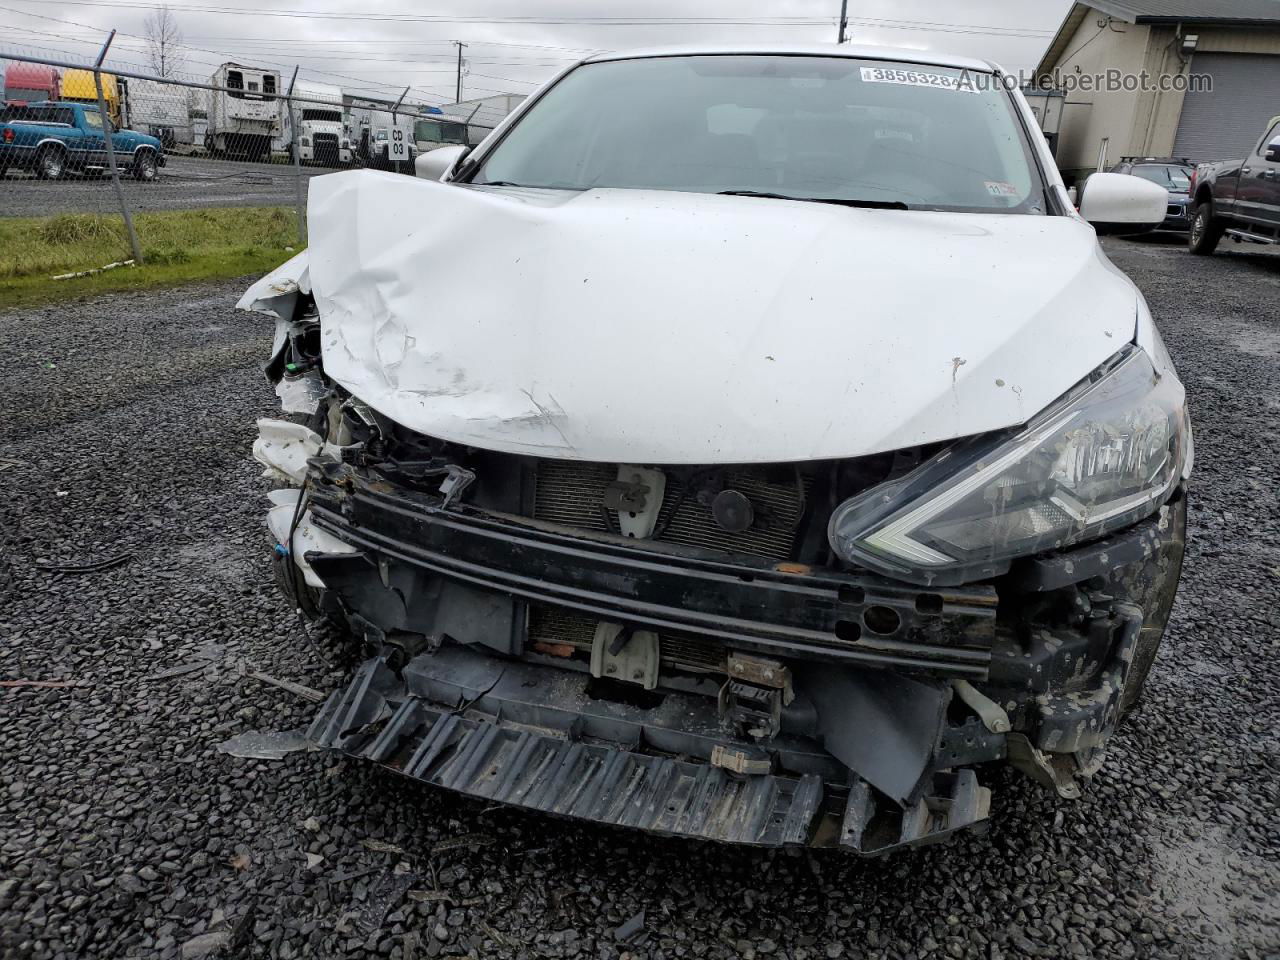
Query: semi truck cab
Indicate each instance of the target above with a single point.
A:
(31, 83)
(321, 134)
(78, 87)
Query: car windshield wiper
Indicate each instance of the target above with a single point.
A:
(838, 201)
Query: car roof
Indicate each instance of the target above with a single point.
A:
(852, 51)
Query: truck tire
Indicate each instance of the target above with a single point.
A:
(1206, 230)
(145, 167)
(51, 163)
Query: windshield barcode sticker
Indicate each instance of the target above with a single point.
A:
(917, 78)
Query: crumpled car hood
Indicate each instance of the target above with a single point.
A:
(665, 328)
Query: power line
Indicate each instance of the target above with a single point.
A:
(938, 24)
(436, 18)
(402, 17)
(138, 46)
(326, 41)
(225, 55)
(485, 76)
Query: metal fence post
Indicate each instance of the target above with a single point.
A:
(108, 137)
(297, 164)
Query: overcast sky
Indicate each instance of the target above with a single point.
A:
(383, 45)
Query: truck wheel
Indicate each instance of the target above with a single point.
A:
(1206, 230)
(144, 167)
(50, 164)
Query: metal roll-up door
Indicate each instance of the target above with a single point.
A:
(1227, 122)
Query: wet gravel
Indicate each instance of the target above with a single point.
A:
(125, 434)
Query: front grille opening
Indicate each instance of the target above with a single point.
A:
(616, 691)
(559, 631)
(572, 494)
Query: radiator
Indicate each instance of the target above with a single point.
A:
(572, 494)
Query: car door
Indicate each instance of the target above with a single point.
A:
(1256, 178)
(1268, 160)
(94, 139)
(71, 135)
(123, 143)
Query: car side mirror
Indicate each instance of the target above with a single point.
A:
(1273, 150)
(434, 164)
(1117, 203)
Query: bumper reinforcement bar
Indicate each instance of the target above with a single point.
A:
(816, 614)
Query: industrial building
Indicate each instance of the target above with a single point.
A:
(1221, 59)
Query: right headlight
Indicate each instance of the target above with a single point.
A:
(1104, 456)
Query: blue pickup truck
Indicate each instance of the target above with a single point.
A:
(54, 139)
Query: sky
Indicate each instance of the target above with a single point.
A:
(381, 46)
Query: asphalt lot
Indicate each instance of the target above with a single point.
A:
(123, 832)
(185, 183)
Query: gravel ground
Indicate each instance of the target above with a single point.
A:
(185, 183)
(123, 832)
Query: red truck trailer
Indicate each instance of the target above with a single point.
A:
(31, 83)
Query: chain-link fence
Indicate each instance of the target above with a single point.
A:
(154, 167)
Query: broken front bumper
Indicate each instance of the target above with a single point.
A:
(514, 733)
(862, 730)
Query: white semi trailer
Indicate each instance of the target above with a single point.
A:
(161, 109)
(244, 119)
(321, 135)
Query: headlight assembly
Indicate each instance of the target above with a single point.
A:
(1104, 456)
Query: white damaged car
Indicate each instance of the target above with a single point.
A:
(748, 444)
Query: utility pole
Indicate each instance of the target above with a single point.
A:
(457, 97)
(844, 20)
(298, 200)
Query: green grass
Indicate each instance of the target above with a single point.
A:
(178, 246)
